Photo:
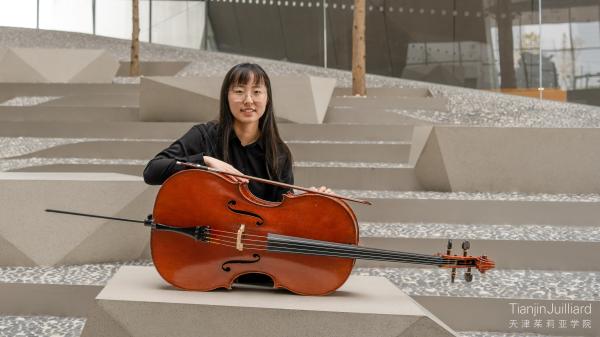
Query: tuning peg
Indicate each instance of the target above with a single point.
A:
(465, 246)
(449, 252)
(468, 275)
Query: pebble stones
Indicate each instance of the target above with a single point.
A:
(28, 100)
(18, 146)
(502, 196)
(87, 274)
(34, 326)
(15, 164)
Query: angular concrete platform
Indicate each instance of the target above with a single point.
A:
(29, 236)
(530, 160)
(300, 99)
(137, 302)
(57, 65)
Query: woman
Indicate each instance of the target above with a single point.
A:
(244, 140)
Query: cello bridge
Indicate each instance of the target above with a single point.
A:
(238, 244)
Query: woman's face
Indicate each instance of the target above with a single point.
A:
(248, 102)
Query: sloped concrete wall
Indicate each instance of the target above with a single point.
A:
(482, 159)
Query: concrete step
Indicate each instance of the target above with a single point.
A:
(150, 130)
(364, 151)
(332, 174)
(96, 100)
(368, 116)
(39, 113)
(477, 208)
(66, 89)
(510, 246)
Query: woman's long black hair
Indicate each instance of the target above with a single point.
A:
(275, 148)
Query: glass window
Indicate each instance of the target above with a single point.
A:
(113, 18)
(585, 34)
(587, 68)
(442, 52)
(416, 53)
(67, 15)
(178, 23)
(18, 13)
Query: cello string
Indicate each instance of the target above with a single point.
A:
(347, 250)
(355, 250)
(235, 233)
(349, 254)
(300, 242)
(351, 251)
(368, 257)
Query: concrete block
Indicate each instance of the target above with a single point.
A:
(529, 160)
(32, 299)
(57, 65)
(179, 99)
(32, 236)
(299, 99)
(137, 302)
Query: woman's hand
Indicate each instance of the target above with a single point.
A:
(322, 189)
(223, 166)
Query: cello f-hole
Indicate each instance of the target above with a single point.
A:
(232, 203)
(228, 269)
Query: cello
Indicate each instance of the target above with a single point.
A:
(208, 229)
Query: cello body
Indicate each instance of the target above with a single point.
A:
(226, 207)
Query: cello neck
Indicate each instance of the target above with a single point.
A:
(295, 245)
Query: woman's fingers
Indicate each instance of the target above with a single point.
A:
(224, 167)
(322, 189)
(233, 170)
